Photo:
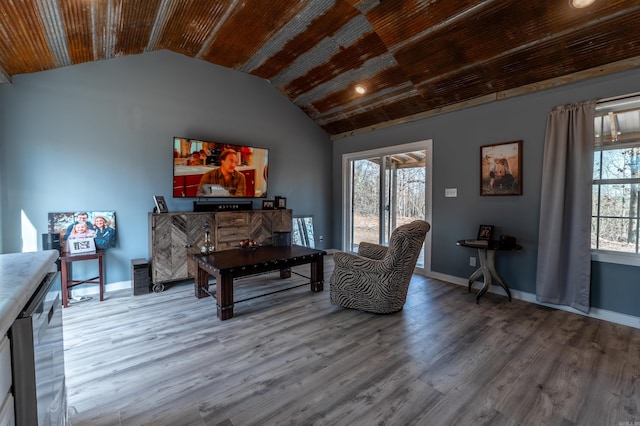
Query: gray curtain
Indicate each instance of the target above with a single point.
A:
(564, 240)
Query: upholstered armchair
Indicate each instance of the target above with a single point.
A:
(377, 278)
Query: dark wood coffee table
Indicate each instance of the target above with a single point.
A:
(229, 264)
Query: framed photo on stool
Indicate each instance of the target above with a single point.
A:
(81, 245)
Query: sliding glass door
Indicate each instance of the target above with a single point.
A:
(384, 189)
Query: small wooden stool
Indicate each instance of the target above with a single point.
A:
(67, 276)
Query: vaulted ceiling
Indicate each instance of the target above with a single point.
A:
(413, 57)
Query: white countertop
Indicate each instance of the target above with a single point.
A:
(20, 275)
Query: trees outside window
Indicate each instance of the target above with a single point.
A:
(616, 178)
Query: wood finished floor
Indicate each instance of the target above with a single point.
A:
(292, 358)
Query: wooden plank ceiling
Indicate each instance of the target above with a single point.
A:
(412, 56)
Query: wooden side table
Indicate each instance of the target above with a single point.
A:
(487, 269)
(67, 275)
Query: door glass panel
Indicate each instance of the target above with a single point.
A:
(375, 212)
(365, 203)
(405, 191)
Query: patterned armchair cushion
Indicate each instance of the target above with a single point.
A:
(377, 278)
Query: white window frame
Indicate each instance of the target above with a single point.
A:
(607, 256)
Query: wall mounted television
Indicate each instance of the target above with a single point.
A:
(206, 169)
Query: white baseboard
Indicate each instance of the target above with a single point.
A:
(603, 314)
(92, 289)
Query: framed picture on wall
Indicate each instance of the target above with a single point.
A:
(501, 169)
(100, 226)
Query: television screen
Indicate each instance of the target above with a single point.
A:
(211, 170)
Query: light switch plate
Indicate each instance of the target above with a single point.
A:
(451, 192)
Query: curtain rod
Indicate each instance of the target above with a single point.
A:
(618, 98)
(618, 103)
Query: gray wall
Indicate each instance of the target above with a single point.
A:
(457, 137)
(98, 136)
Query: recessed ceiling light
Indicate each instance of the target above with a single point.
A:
(360, 89)
(580, 4)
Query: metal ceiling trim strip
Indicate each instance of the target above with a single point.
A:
(326, 49)
(162, 18)
(449, 21)
(114, 16)
(209, 39)
(94, 41)
(288, 32)
(4, 76)
(55, 33)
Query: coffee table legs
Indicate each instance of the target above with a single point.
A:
(317, 274)
(224, 291)
(224, 296)
(201, 282)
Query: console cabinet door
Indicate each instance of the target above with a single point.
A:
(174, 236)
(281, 221)
(231, 228)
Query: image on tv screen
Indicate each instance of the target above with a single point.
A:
(211, 170)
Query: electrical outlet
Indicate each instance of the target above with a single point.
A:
(320, 238)
(472, 261)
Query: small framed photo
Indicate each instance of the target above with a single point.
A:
(161, 205)
(81, 245)
(268, 205)
(281, 202)
(501, 169)
(485, 232)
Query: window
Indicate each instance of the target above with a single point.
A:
(615, 231)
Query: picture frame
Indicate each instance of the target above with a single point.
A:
(281, 202)
(501, 169)
(161, 205)
(485, 232)
(81, 245)
(268, 205)
(99, 225)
